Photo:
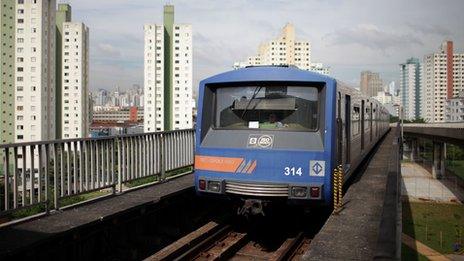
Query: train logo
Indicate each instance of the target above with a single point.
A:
(317, 168)
(265, 141)
(260, 141)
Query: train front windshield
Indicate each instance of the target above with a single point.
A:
(291, 108)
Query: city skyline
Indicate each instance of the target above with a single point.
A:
(399, 31)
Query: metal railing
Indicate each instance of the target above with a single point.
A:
(46, 172)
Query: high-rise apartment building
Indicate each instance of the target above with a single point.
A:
(285, 50)
(34, 58)
(443, 79)
(168, 75)
(75, 70)
(72, 70)
(63, 14)
(7, 71)
(410, 88)
(371, 83)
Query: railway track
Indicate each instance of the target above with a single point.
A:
(220, 242)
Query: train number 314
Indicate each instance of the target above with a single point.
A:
(293, 171)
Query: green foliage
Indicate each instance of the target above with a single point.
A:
(151, 179)
(454, 152)
(142, 181)
(418, 120)
(83, 197)
(179, 171)
(393, 119)
(455, 160)
(41, 208)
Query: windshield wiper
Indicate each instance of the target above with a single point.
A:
(255, 92)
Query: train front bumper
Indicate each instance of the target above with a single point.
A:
(312, 191)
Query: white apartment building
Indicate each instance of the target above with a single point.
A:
(168, 75)
(284, 50)
(182, 78)
(320, 68)
(154, 78)
(35, 70)
(384, 97)
(410, 88)
(75, 70)
(443, 79)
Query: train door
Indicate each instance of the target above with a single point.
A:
(347, 128)
(362, 124)
(339, 129)
(370, 123)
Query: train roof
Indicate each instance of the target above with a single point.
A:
(269, 74)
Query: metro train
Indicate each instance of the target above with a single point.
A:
(276, 133)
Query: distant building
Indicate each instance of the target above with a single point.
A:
(101, 97)
(454, 109)
(384, 97)
(443, 79)
(320, 68)
(371, 83)
(99, 129)
(168, 75)
(118, 116)
(284, 50)
(410, 88)
(391, 88)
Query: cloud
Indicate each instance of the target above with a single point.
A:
(106, 49)
(430, 29)
(372, 37)
(347, 35)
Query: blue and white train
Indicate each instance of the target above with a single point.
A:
(271, 133)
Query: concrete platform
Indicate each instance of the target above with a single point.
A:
(418, 185)
(367, 227)
(24, 236)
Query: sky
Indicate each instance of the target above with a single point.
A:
(347, 36)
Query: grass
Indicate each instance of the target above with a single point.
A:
(29, 211)
(143, 181)
(33, 210)
(83, 197)
(410, 254)
(433, 218)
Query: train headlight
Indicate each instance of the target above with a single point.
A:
(214, 186)
(202, 184)
(299, 192)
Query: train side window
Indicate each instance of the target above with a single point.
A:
(355, 118)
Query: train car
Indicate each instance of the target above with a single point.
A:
(276, 133)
